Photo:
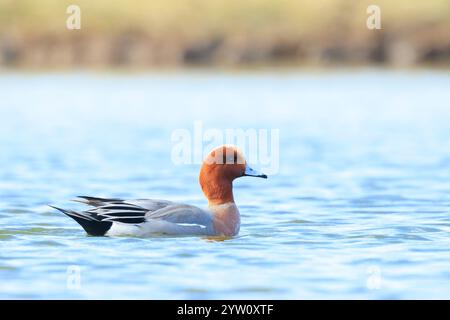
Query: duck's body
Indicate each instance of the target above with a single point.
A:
(144, 217)
(117, 217)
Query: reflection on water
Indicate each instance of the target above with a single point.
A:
(359, 209)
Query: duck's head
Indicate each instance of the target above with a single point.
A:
(220, 167)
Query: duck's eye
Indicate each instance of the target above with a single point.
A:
(235, 158)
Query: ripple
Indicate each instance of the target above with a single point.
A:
(49, 243)
(6, 236)
(33, 231)
(298, 221)
(8, 268)
(16, 211)
(258, 290)
(195, 290)
(418, 229)
(412, 237)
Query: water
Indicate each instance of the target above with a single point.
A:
(359, 208)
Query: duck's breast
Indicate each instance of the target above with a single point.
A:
(226, 219)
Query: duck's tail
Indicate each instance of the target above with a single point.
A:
(90, 224)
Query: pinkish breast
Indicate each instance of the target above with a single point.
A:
(226, 219)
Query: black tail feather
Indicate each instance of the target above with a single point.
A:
(95, 201)
(91, 225)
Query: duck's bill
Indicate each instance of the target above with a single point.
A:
(249, 172)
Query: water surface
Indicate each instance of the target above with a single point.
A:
(359, 208)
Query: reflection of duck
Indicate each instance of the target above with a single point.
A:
(115, 217)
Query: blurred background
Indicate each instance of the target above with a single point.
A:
(224, 33)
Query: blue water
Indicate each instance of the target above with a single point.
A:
(360, 206)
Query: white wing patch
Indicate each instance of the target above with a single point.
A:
(191, 225)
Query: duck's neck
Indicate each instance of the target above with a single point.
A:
(218, 192)
(226, 219)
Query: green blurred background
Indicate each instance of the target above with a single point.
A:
(229, 33)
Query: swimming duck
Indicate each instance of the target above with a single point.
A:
(117, 217)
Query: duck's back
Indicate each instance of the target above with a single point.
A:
(172, 219)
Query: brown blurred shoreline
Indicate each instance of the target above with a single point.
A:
(134, 50)
(262, 33)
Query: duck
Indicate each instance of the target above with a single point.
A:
(150, 217)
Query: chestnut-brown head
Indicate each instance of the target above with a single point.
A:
(219, 169)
